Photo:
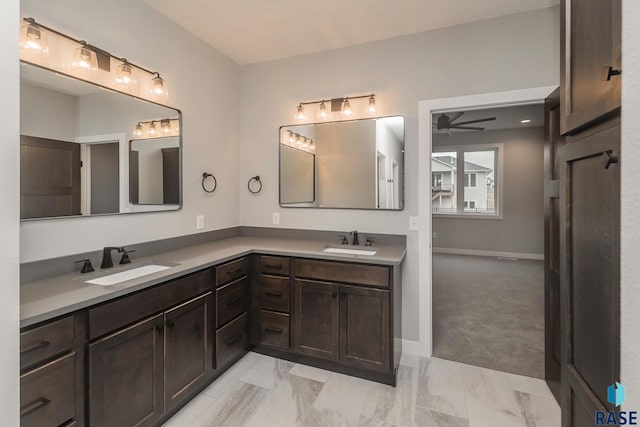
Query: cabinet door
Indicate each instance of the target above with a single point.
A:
(590, 280)
(364, 328)
(188, 348)
(316, 319)
(590, 44)
(126, 376)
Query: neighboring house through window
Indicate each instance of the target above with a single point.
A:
(479, 182)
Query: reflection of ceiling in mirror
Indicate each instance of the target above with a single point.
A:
(54, 81)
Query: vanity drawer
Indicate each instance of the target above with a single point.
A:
(46, 341)
(274, 265)
(131, 308)
(274, 293)
(231, 301)
(231, 271)
(274, 329)
(343, 272)
(47, 394)
(231, 341)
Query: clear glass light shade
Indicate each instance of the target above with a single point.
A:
(346, 107)
(323, 111)
(152, 129)
(124, 74)
(158, 88)
(298, 139)
(292, 138)
(165, 126)
(84, 59)
(33, 41)
(300, 112)
(138, 130)
(372, 104)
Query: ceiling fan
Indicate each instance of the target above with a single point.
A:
(449, 122)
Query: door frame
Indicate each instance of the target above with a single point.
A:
(426, 108)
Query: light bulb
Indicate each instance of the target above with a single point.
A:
(291, 137)
(152, 129)
(158, 89)
(300, 112)
(298, 139)
(138, 130)
(124, 73)
(346, 107)
(85, 59)
(306, 142)
(33, 40)
(165, 125)
(311, 145)
(323, 111)
(372, 104)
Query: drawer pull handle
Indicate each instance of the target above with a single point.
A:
(236, 271)
(235, 301)
(233, 339)
(34, 406)
(273, 294)
(34, 347)
(274, 266)
(274, 330)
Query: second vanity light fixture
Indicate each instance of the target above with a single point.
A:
(298, 141)
(157, 129)
(343, 105)
(34, 48)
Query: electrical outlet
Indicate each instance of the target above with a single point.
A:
(199, 222)
(276, 218)
(414, 223)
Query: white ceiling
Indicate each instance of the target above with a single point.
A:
(506, 118)
(251, 31)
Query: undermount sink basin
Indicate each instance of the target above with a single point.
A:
(123, 276)
(350, 251)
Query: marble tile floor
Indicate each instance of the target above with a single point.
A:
(263, 391)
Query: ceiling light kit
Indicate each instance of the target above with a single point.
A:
(342, 105)
(451, 122)
(87, 62)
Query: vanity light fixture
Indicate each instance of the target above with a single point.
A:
(297, 141)
(342, 105)
(34, 47)
(165, 125)
(152, 128)
(159, 128)
(138, 130)
(33, 39)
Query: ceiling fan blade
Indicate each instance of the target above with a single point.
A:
(455, 116)
(466, 128)
(468, 122)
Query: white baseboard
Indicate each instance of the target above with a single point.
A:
(518, 255)
(412, 347)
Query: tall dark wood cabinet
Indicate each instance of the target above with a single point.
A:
(590, 62)
(590, 164)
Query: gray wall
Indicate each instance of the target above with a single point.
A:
(203, 83)
(401, 72)
(522, 228)
(297, 175)
(47, 114)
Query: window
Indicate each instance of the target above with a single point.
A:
(470, 180)
(480, 180)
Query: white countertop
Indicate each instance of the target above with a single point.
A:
(52, 297)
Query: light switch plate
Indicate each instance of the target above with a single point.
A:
(199, 222)
(276, 218)
(414, 223)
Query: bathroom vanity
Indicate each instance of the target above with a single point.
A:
(135, 352)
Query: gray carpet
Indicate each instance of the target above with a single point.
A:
(489, 312)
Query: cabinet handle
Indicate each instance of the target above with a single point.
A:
(233, 339)
(608, 159)
(274, 266)
(34, 347)
(609, 72)
(235, 301)
(273, 294)
(236, 271)
(274, 330)
(34, 406)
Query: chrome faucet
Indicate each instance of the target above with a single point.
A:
(107, 262)
(356, 242)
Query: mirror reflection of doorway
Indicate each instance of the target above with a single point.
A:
(100, 178)
(382, 180)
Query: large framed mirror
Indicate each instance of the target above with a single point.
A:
(353, 164)
(86, 150)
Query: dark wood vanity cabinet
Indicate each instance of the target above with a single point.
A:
(52, 373)
(232, 303)
(339, 315)
(590, 61)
